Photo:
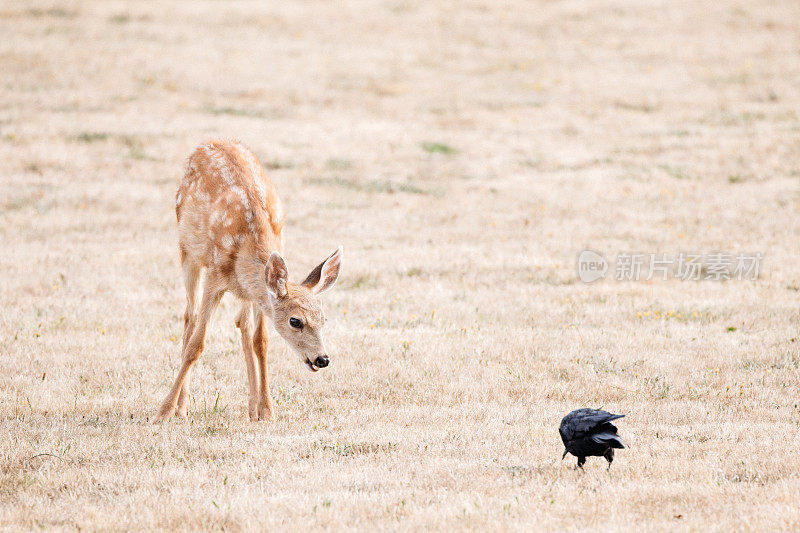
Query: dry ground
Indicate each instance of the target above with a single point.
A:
(463, 153)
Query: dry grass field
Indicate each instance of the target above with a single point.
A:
(463, 153)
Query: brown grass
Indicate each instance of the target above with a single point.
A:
(463, 153)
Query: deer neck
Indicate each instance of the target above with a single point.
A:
(250, 270)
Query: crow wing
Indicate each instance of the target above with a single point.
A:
(583, 422)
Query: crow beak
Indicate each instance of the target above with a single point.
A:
(565, 454)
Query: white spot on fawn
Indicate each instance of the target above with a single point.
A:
(227, 241)
(242, 195)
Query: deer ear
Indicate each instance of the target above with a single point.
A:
(276, 275)
(324, 276)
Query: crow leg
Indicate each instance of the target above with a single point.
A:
(609, 455)
(581, 461)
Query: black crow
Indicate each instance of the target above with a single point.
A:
(589, 432)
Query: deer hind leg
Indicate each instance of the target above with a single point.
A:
(211, 298)
(244, 321)
(266, 407)
(191, 280)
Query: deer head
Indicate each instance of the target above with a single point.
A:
(296, 311)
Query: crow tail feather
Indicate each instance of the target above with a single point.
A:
(611, 439)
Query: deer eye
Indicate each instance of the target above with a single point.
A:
(296, 323)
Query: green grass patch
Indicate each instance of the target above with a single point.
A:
(234, 111)
(675, 172)
(338, 164)
(346, 449)
(379, 186)
(438, 148)
(55, 12)
(90, 137)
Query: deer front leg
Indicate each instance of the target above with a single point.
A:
(266, 407)
(188, 327)
(244, 322)
(191, 279)
(192, 351)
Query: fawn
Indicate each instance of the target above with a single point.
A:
(230, 224)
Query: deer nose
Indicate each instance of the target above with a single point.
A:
(322, 361)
